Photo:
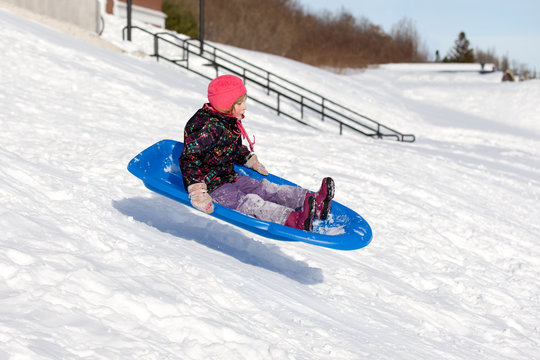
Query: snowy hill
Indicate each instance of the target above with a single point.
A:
(95, 266)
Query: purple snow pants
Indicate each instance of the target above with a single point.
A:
(261, 199)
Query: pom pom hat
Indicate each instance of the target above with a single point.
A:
(224, 90)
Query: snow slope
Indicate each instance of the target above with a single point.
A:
(95, 266)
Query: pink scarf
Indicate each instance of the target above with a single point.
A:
(245, 135)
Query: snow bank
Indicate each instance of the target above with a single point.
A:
(441, 67)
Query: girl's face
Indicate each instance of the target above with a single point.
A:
(239, 109)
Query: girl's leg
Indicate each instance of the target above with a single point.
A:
(289, 196)
(233, 196)
(254, 205)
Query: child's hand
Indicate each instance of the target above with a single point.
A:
(253, 163)
(200, 198)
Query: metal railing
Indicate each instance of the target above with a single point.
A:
(288, 99)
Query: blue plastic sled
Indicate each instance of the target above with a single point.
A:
(159, 170)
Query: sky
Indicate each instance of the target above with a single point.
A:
(510, 28)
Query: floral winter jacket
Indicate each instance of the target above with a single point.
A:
(212, 145)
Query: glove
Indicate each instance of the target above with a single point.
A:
(253, 163)
(199, 197)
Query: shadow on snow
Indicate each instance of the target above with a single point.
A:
(178, 220)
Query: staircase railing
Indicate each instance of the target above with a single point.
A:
(287, 98)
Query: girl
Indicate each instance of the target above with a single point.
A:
(213, 144)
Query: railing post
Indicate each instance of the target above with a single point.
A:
(322, 109)
(156, 47)
(267, 83)
(201, 25)
(128, 15)
(278, 111)
(301, 107)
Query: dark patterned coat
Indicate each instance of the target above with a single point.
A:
(212, 145)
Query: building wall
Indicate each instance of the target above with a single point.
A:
(83, 13)
(148, 11)
(149, 4)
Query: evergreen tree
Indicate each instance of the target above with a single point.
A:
(180, 18)
(461, 52)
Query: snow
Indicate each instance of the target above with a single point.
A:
(93, 265)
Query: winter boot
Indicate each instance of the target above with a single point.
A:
(324, 198)
(303, 219)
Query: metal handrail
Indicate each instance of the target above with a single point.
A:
(285, 89)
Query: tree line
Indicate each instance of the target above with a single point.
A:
(463, 53)
(325, 39)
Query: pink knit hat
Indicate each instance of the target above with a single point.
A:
(224, 90)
